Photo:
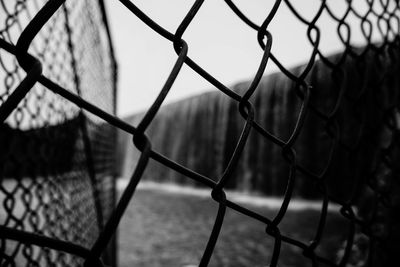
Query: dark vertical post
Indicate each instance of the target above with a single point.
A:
(83, 125)
(112, 258)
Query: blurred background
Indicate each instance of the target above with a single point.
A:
(218, 41)
(63, 168)
(170, 216)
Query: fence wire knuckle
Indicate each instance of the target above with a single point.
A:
(57, 189)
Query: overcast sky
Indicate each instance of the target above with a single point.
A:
(218, 41)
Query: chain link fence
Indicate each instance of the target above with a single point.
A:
(57, 162)
(56, 150)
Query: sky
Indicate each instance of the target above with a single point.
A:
(218, 41)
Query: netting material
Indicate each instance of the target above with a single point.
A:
(378, 133)
(353, 107)
(57, 163)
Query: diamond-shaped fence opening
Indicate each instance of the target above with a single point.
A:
(338, 132)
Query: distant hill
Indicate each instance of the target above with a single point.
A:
(201, 132)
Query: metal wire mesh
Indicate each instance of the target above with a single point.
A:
(57, 162)
(360, 120)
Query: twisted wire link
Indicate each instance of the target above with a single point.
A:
(359, 120)
(53, 182)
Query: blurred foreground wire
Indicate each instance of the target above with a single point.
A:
(60, 162)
